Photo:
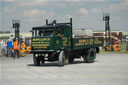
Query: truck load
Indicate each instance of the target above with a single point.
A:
(83, 33)
(55, 42)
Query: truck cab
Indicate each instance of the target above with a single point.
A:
(49, 40)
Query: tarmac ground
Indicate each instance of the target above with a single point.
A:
(108, 69)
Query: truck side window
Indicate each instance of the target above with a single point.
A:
(35, 33)
(40, 33)
(58, 32)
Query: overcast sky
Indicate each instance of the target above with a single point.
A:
(85, 13)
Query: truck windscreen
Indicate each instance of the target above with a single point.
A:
(43, 33)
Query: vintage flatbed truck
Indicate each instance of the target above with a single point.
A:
(54, 42)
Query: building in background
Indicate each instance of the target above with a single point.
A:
(8, 35)
(115, 35)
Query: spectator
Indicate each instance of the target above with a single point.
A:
(3, 48)
(23, 48)
(6, 48)
(0, 48)
(16, 49)
(9, 47)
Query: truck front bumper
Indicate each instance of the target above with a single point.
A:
(41, 51)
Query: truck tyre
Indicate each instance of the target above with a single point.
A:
(61, 58)
(36, 61)
(90, 58)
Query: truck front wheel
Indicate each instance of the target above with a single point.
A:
(91, 55)
(61, 58)
(36, 61)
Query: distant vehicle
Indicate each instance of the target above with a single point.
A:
(55, 42)
(126, 38)
(127, 43)
(114, 47)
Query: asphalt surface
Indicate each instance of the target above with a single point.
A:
(109, 69)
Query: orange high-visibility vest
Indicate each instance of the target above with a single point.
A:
(16, 46)
(23, 45)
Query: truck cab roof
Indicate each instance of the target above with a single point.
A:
(51, 26)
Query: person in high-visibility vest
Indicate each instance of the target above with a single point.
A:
(22, 49)
(16, 48)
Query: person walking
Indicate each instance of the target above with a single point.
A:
(9, 47)
(0, 47)
(16, 49)
(22, 49)
(3, 48)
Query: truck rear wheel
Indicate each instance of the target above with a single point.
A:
(61, 58)
(36, 61)
(91, 55)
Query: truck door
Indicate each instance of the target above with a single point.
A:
(66, 38)
(63, 38)
(58, 39)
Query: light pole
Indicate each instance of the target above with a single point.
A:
(106, 18)
(16, 26)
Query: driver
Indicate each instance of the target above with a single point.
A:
(58, 33)
(41, 34)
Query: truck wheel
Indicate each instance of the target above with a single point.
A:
(90, 58)
(61, 58)
(36, 61)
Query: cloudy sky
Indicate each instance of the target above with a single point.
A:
(85, 13)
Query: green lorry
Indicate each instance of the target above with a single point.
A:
(55, 42)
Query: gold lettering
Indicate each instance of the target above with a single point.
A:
(65, 41)
(40, 47)
(40, 44)
(41, 39)
(97, 41)
(84, 42)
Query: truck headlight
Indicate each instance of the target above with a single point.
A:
(46, 55)
(36, 55)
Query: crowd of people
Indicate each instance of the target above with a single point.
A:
(11, 48)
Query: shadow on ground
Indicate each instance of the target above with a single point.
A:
(55, 64)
